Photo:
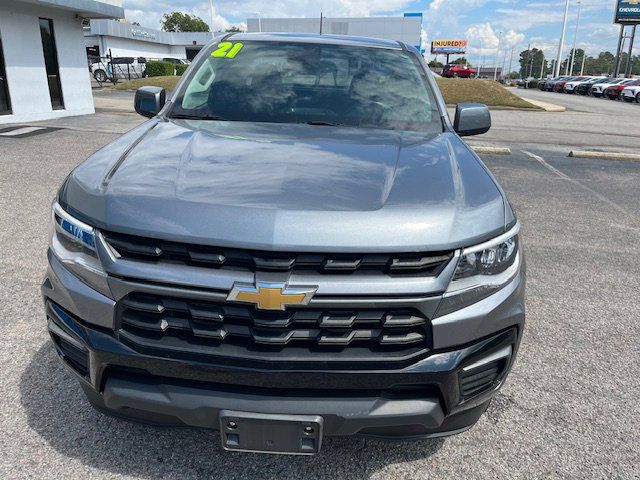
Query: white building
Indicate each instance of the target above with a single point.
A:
(127, 40)
(405, 29)
(43, 62)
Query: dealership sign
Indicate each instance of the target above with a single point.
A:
(628, 11)
(449, 47)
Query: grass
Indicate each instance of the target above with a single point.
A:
(492, 94)
(455, 90)
(168, 83)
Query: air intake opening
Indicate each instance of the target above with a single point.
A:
(484, 374)
(75, 357)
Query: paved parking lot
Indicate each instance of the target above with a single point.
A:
(591, 123)
(569, 409)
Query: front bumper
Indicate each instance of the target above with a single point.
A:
(426, 398)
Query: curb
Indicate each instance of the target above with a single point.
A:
(547, 107)
(492, 150)
(496, 108)
(634, 157)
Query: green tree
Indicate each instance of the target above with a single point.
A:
(234, 29)
(603, 64)
(577, 62)
(460, 61)
(434, 64)
(183, 22)
(531, 63)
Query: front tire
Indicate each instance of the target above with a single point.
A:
(638, 98)
(100, 76)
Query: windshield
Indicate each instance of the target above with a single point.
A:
(286, 82)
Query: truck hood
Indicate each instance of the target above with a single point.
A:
(289, 187)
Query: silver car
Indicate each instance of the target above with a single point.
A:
(297, 244)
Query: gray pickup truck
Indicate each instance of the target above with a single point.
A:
(297, 244)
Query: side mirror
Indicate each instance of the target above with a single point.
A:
(472, 119)
(149, 101)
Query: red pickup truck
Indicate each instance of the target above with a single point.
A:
(462, 71)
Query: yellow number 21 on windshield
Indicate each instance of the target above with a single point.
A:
(227, 50)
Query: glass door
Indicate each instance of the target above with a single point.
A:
(5, 102)
(51, 63)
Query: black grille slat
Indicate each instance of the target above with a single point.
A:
(147, 249)
(192, 326)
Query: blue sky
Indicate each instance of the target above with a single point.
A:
(538, 22)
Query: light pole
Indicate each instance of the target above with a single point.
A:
(564, 31)
(213, 18)
(575, 39)
(259, 15)
(511, 61)
(495, 70)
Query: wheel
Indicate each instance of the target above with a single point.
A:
(472, 75)
(455, 75)
(628, 100)
(638, 97)
(100, 76)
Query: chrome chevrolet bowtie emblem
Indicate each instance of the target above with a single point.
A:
(271, 296)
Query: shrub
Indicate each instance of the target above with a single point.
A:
(180, 69)
(533, 84)
(159, 69)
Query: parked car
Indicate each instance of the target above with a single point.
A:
(558, 87)
(455, 71)
(570, 87)
(629, 94)
(614, 91)
(330, 260)
(118, 68)
(549, 84)
(177, 61)
(583, 87)
(598, 89)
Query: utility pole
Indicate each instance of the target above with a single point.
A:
(564, 32)
(584, 57)
(259, 15)
(495, 70)
(321, 23)
(542, 66)
(575, 38)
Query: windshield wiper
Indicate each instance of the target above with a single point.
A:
(181, 116)
(323, 123)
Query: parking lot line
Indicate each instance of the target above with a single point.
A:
(21, 131)
(546, 165)
(562, 175)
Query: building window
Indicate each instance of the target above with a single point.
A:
(51, 63)
(5, 102)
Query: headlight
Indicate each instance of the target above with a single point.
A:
(74, 244)
(482, 270)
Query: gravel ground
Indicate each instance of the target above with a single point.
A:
(569, 409)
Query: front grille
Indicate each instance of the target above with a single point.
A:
(180, 327)
(152, 250)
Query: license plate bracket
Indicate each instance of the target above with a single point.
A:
(271, 433)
